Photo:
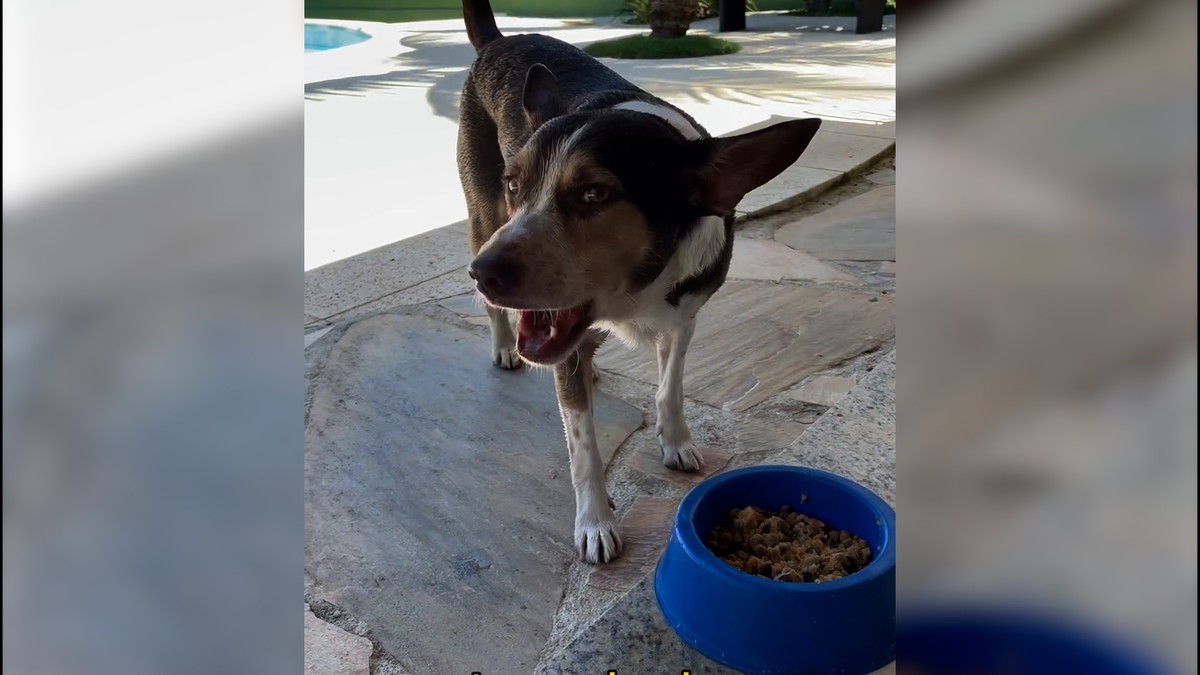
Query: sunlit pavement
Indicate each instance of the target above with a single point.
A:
(380, 117)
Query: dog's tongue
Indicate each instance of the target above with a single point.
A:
(542, 336)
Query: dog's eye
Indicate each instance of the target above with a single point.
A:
(512, 186)
(596, 194)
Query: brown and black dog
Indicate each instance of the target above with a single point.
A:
(596, 208)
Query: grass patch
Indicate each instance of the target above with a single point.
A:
(646, 47)
(637, 12)
(841, 8)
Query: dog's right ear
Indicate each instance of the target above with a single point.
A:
(541, 99)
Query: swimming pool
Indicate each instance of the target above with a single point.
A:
(319, 38)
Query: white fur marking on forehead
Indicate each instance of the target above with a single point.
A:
(556, 165)
(671, 116)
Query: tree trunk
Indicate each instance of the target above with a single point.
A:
(671, 18)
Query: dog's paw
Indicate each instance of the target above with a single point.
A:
(678, 450)
(681, 456)
(597, 539)
(505, 358)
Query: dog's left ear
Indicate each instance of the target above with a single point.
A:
(541, 99)
(735, 165)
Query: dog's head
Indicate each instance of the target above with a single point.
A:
(597, 204)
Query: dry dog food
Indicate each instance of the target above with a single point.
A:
(787, 546)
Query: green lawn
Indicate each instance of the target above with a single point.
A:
(842, 8)
(646, 47)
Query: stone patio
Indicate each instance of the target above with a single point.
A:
(437, 493)
(438, 499)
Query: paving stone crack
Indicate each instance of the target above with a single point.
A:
(382, 663)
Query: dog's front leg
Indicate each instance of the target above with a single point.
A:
(596, 536)
(678, 449)
(504, 343)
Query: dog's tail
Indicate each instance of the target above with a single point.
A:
(481, 23)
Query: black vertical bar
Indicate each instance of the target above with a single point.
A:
(870, 16)
(732, 15)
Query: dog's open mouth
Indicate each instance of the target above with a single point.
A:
(546, 337)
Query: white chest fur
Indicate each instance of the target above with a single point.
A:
(647, 315)
(651, 318)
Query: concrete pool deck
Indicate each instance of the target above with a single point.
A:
(380, 116)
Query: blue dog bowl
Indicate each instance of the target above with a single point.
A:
(1005, 641)
(761, 626)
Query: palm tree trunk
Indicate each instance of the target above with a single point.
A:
(671, 18)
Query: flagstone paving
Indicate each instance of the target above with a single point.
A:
(862, 228)
(438, 494)
(754, 341)
(329, 650)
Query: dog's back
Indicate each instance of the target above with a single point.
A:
(497, 77)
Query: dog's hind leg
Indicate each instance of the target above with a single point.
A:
(596, 536)
(480, 168)
(678, 449)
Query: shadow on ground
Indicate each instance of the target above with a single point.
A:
(787, 65)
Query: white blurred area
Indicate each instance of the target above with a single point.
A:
(92, 88)
(153, 238)
(1047, 312)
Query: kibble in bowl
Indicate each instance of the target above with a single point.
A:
(738, 581)
(787, 546)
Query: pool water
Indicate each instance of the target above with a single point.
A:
(319, 38)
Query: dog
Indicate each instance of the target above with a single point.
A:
(595, 208)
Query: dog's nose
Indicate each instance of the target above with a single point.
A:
(495, 275)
